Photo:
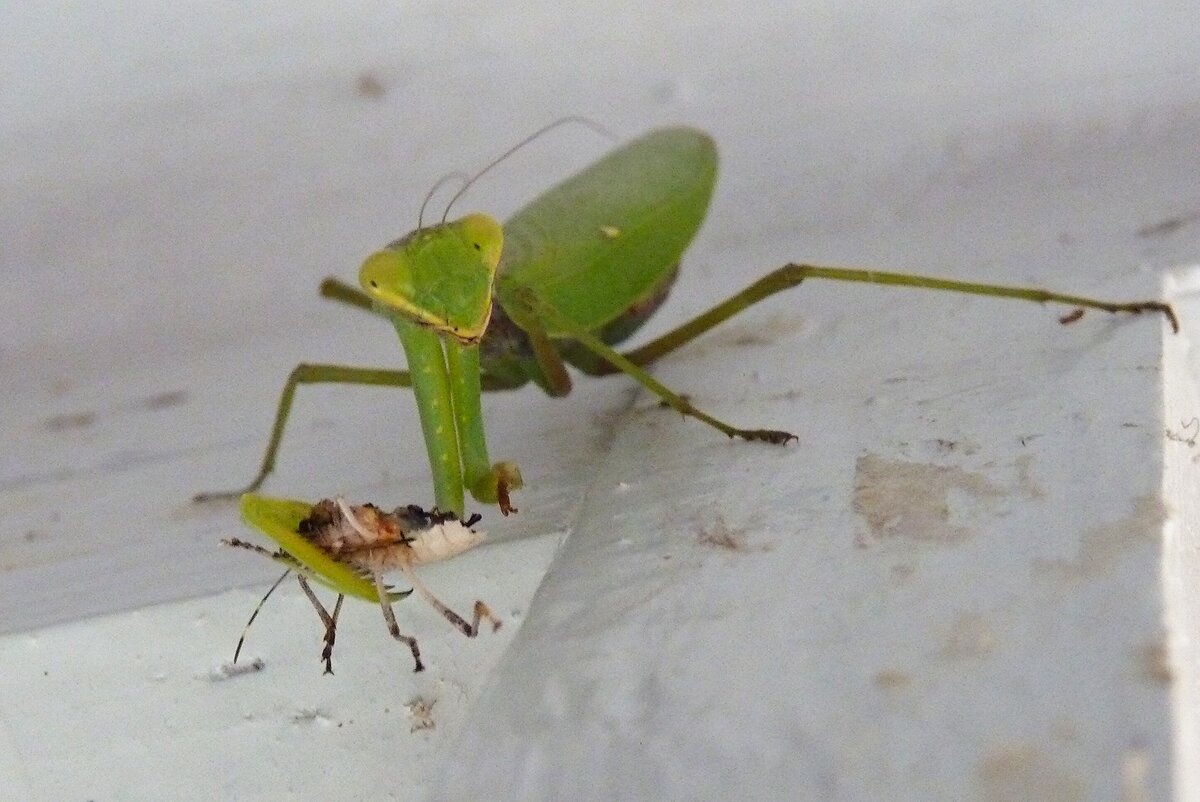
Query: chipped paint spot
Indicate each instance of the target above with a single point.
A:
(902, 499)
(420, 713)
(970, 638)
(1020, 773)
(1102, 546)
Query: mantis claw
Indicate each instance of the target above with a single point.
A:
(498, 484)
(506, 507)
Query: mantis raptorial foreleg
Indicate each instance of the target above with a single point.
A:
(792, 275)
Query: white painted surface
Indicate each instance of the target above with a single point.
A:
(179, 178)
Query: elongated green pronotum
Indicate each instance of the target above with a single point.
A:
(480, 307)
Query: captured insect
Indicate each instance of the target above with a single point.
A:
(349, 548)
(576, 271)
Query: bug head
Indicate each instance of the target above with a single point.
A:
(440, 277)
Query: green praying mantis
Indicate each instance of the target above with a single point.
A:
(480, 306)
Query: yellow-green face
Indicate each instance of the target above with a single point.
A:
(440, 277)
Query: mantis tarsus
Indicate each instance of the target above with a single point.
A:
(480, 307)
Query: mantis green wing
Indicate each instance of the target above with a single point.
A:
(598, 244)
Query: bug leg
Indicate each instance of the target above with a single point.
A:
(481, 610)
(242, 544)
(330, 634)
(261, 602)
(791, 275)
(393, 627)
(305, 373)
(330, 621)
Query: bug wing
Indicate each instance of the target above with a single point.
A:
(609, 237)
(278, 519)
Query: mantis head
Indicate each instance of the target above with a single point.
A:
(439, 277)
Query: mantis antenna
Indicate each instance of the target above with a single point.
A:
(441, 182)
(584, 121)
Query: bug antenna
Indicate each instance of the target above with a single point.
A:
(254, 615)
(584, 121)
(441, 182)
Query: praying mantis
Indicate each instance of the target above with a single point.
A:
(479, 306)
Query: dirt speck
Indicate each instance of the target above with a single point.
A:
(970, 638)
(945, 446)
(1166, 228)
(910, 500)
(1187, 434)
(720, 536)
(1019, 773)
(311, 715)
(171, 398)
(892, 679)
(1102, 546)
(69, 421)
(370, 86)
(1154, 661)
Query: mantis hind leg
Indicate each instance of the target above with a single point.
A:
(308, 374)
(669, 397)
(792, 275)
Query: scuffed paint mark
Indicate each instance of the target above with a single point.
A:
(902, 499)
(970, 638)
(1102, 546)
(1019, 773)
(230, 670)
(1028, 486)
(721, 536)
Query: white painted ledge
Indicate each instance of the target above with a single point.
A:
(974, 576)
